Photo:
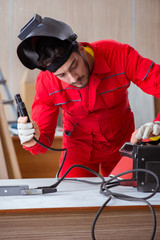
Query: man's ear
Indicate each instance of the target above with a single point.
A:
(81, 48)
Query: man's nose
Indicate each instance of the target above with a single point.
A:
(73, 77)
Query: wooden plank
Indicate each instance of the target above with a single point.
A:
(8, 147)
(118, 224)
(157, 106)
(3, 166)
(38, 166)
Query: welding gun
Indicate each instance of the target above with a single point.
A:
(21, 108)
(22, 111)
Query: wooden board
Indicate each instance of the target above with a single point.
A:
(38, 166)
(3, 166)
(8, 147)
(117, 224)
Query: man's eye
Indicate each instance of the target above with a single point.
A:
(74, 65)
(61, 76)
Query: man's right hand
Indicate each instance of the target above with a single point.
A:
(26, 131)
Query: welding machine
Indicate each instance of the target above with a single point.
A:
(145, 155)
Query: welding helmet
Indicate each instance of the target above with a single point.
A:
(43, 27)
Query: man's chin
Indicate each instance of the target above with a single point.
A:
(83, 86)
(80, 85)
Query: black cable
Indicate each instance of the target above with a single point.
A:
(80, 166)
(105, 185)
(127, 199)
(97, 216)
(105, 191)
(77, 165)
(81, 180)
(131, 171)
(54, 149)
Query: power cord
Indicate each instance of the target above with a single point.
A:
(105, 186)
(57, 150)
(105, 191)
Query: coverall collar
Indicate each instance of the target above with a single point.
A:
(100, 64)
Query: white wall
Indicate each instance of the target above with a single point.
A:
(135, 22)
(142, 105)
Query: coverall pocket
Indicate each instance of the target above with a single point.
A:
(110, 129)
(68, 127)
(69, 100)
(113, 90)
(117, 127)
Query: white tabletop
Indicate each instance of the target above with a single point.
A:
(69, 194)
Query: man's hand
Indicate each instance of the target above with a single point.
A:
(26, 132)
(146, 131)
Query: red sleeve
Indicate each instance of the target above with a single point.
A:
(142, 71)
(123, 58)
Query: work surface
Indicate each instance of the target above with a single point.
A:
(69, 194)
(68, 214)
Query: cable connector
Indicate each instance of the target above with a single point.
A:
(38, 191)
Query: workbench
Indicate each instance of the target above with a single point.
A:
(68, 214)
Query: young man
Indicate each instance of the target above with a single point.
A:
(89, 82)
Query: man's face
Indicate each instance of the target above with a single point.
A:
(75, 71)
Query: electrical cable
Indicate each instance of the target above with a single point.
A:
(127, 199)
(124, 197)
(80, 166)
(54, 149)
(81, 180)
(63, 177)
(97, 216)
(131, 171)
(104, 188)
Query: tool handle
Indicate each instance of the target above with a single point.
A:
(21, 108)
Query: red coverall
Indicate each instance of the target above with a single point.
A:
(97, 119)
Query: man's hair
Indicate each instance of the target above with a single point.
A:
(51, 49)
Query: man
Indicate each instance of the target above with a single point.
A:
(89, 82)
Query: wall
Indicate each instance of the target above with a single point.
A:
(129, 21)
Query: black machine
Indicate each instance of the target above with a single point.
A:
(145, 155)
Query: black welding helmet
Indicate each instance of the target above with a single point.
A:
(43, 27)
